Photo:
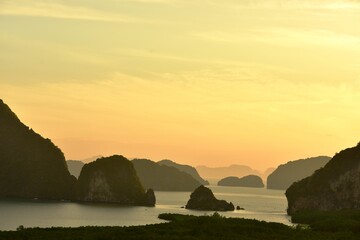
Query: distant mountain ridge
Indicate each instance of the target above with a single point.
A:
(75, 167)
(290, 172)
(185, 168)
(30, 165)
(222, 172)
(162, 177)
(247, 181)
(90, 159)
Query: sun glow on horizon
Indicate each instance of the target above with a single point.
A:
(203, 82)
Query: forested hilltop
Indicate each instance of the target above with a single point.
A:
(334, 187)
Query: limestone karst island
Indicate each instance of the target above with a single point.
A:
(175, 119)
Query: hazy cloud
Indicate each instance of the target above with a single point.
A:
(55, 9)
(152, 1)
(290, 4)
(283, 37)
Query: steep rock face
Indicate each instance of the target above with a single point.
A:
(185, 168)
(334, 187)
(30, 166)
(203, 199)
(287, 174)
(113, 180)
(74, 167)
(163, 178)
(247, 181)
(150, 199)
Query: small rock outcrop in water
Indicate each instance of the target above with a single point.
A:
(334, 187)
(290, 172)
(203, 199)
(247, 181)
(30, 165)
(185, 168)
(150, 198)
(114, 180)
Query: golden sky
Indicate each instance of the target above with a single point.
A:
(201, 82)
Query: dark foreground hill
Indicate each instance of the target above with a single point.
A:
(334, 187)
(247, 181)
(185, 168)
(30, 165)
(287, 174)
(212, 227)
(163, 178)
(112, 180)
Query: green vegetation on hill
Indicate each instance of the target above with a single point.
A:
(330, 221)
(163, 178)
(247, 181)
(334, 187)
(184, 227)
(112, 179)
(30, 165)
(287, 174)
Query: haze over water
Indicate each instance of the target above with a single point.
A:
(261, 204)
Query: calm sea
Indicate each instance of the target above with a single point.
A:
(261, 204)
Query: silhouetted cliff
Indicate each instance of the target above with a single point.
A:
(163, 178)
(247, 181)
(203, 199)
(185, 168)
(112, 180)
(334, 187)
(287, 174)
(30, 165)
